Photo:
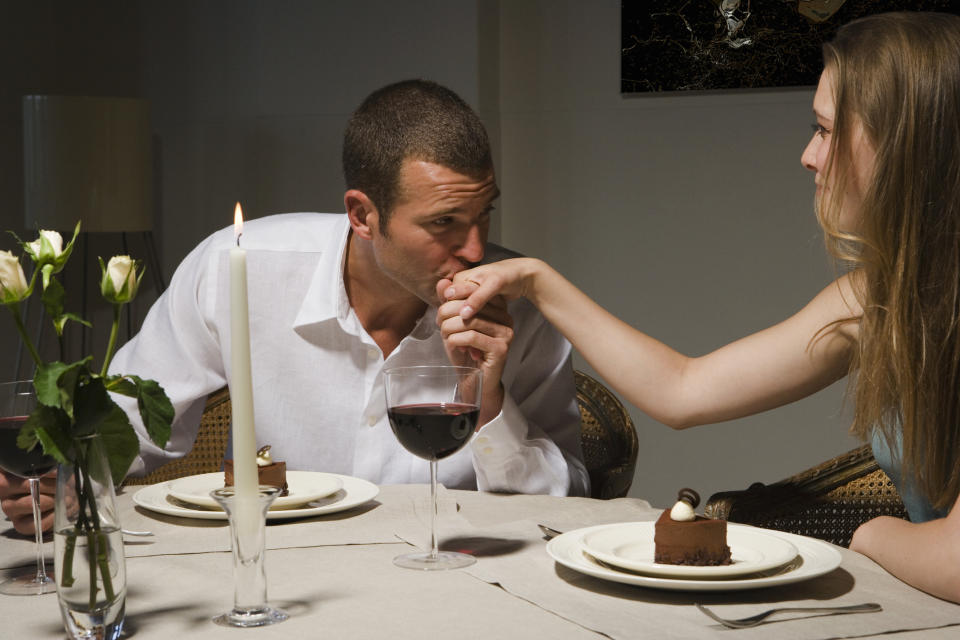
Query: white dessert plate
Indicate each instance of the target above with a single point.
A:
(353, 493)
(302, 487)
(630, 546)
(814, 558)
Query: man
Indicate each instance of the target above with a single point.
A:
(336, 299)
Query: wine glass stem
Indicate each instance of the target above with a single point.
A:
(38, 528)
(434, 550)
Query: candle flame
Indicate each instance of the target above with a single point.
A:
(237, 222)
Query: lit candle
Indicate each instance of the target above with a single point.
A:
(241, 383)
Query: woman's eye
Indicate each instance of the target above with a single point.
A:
(820, 130)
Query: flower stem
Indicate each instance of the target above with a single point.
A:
(113, 339)
(15, 309)
(97, 546)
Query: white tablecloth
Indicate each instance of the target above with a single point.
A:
(334, 575)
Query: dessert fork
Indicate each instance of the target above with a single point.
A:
(752, 621)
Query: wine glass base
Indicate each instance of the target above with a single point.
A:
(442, 561)
(251, 618)
(28, 585)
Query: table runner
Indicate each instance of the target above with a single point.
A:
(514, 557)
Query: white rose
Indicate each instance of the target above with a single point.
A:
(13, 282)
(120, 271)
(54, 242)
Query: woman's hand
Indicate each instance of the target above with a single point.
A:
(512, 278)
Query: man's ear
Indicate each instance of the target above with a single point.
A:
(364, 217)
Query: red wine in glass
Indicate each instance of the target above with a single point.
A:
(433, 412)
(433, 430)
(15, 460)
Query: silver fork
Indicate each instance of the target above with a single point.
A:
(752, 621)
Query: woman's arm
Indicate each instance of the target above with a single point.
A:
(762, 371)
(925, 555)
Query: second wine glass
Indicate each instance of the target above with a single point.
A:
(433, 411)
(17, 402)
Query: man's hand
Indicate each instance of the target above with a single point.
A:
(17, 504)
(483, 341)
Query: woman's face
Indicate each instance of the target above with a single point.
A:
(817, 153)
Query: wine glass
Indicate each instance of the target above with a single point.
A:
(433, 411)
(17, 401)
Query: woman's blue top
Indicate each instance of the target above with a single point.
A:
(918, 507)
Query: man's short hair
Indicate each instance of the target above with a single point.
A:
(416, 120)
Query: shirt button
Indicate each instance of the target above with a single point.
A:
(371, 420)
(373, 353)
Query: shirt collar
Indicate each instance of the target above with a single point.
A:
(326, 298)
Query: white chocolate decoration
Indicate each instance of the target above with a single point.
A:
(682, 512)
(263, 457)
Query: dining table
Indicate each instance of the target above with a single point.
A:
(332, 572)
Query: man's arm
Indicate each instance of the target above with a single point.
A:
(177, 346)
(532, 443)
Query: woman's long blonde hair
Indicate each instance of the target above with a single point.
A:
(899, 75)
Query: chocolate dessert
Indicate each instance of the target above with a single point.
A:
(692, 539)
(270, 473)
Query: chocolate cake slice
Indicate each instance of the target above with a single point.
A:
(700, 542)
(273, 474)
(682, 537)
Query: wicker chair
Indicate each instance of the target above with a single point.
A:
(828, 501)
(607, 437)
(208, 449)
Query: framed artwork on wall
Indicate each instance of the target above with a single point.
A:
(702, 45)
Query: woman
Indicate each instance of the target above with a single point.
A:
(886, 157)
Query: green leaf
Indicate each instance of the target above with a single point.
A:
(119, 384)
(45, 382)
(72, 316)
(97, 413)
(46, 272)
(155, 410)
(53, 295)
(65, 380)
(51, 427)
(120, 442)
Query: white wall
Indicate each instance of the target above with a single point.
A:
(251, 98)
(688, 216)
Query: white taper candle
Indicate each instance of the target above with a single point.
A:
(241, 383)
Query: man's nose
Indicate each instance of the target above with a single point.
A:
(474, 245)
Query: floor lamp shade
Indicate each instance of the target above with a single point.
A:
(89, 159)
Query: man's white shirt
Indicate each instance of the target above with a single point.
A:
(318, 376)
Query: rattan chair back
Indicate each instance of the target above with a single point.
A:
(828, 501)
(208, 449)
(607, 437)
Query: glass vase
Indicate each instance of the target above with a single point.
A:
(88, 546)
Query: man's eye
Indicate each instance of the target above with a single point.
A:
(443, 222)
(820, 130)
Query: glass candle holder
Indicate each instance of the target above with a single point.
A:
(248, 525)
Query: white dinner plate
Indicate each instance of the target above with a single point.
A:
(302, 487)
(630, 546)
(814, 558)
(354, 492)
